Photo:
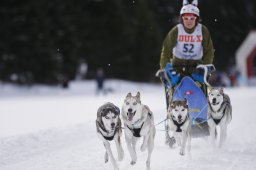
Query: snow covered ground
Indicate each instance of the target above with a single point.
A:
(49, 128)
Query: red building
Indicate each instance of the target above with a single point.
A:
(246, 57)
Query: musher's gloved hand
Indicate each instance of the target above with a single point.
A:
(208, 68)
(160, 73)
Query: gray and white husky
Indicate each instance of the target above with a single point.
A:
(219, 113)
(138, 122)
(108, 125)
(179, 124)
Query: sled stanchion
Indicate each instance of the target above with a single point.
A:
(195, 117)
(166, 97)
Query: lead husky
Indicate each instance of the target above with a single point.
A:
(180, 124)
(108, 126)
(219, 113)
(138, 121)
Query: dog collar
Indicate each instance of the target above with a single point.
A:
(109, 138)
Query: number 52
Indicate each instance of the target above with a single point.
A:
(188, 48)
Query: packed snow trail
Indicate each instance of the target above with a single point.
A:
(56, 131)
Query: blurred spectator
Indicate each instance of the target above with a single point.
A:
(241, 81)
(82, 70)
(233, 73)
(100, 78)
(225, 81)
(214, 79)
(220, 79)
(65, 82)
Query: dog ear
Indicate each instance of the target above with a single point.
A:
(221, 90)
(117, 110)
(171, 105)
(129, 95)
(138, 95)
(99, 115)
(99, 111)
(186, 102)
(102, 113)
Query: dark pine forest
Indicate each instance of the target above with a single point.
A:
(43, 41)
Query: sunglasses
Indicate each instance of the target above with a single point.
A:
(192, 18)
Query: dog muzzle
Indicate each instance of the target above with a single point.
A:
(130, 115)
(180, 121)
(113, 126)
(214, 102)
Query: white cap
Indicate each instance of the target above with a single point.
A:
(189, 9)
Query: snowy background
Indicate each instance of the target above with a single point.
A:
(49, 128)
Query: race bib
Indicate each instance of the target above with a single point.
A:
(189, 46)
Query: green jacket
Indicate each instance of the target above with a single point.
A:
(170, 42)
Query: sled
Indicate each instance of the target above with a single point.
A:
(187, 88)
(197, 104)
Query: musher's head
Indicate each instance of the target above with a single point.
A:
(189, 15)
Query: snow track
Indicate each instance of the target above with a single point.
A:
(75, 146)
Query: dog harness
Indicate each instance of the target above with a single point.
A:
(217, 121)
(136, 131)
(179, 125)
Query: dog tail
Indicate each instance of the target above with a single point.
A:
(228, 109)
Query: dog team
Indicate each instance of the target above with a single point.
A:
(138, 122)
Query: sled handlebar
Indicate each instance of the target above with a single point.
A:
(203, 69)
(208, 69)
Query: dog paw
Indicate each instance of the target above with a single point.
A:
(106, 158)
(133, 162)
(171, 142)
(182, 153)
(148, 165)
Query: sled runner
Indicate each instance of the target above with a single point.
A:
(188, 88)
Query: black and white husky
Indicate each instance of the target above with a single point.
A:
(179, 124)
(108, 125)
(138, 122)
(219, 113)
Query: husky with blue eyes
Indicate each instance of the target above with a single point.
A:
(179, 124)
(138, 122)
(108, 125)
(220, 115)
